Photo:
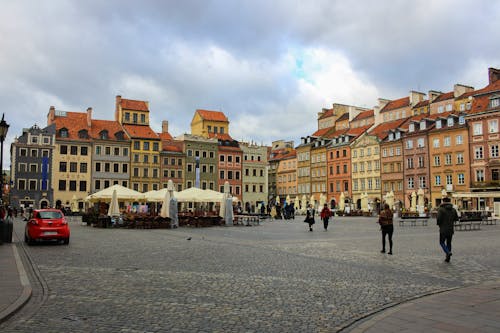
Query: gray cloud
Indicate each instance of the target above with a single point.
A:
(269, 65)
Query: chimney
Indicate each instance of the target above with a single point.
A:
(164, 126)
(147, 104)
(433, 94)
(118, 108)
(416, 97)
(460, 89)
(51, 116)
(354, 112)
(493, 74)
(89, 117)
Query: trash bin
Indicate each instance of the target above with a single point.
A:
(8, 226)
(2, 231)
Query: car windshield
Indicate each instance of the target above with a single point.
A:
(50, 215)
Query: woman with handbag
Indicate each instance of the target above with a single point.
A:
(310, 217)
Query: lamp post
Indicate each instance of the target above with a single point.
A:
(4, 127)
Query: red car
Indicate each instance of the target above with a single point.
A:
(47, 224)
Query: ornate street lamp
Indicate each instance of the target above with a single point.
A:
(4, 127)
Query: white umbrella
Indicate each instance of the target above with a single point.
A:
(342, 201)
(322, 200)
(165, 205)
(123, 193)
(277, 199)
(226, 207)
(312, 201)
(303, 204)
(296, 203)
(114, 208)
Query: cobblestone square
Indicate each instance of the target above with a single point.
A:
(276, 277)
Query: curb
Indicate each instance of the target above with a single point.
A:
(26, 293)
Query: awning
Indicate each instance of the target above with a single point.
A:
(476, 195)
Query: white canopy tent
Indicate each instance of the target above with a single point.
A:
(122, 194)
(194, 194)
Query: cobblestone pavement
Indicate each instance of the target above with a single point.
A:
(276, 277)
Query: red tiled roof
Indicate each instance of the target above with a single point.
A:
(172, 148)
(212, 115)
(421, 104)
(481, 100)
(140, 131)
(358, 130)
(382, 130)
(444, 97)
(281, 154)
(131, 104)
(396, 104)
(327, 113)
(337, 133)
(110, 125)
(73, 122)
(364, 115)
(291, 154)
(322, 132)
(165, 136)
(220, 136)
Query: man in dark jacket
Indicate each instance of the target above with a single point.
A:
(446, 217)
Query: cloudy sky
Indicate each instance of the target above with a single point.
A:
(270, 66)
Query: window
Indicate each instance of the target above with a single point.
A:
(460, 158)
(98, 167)
(125, 151)
(438, 123)
(116, 167)
(461, 179)
(437, 160)
(448, 107)
(409, 163)
(221, 174)
(446, 141)
(134, 118)
(459, 140)
(422, 182)
(421, 161)
(83, 186)
(449, 180)
(137, 145)
(412, 127)
(493, 126)
(447, 159)
(435, 143)
(145, 145)
(421, 143)
(422, 125)
(74, 150)
(384, 152)
(116, 151)
(494, 102)
(437, 180)
(480, 175)
(156, 146)
(107, 151)
(143, 118)
(62, 166)
(477, 128)
(73, 167)
(72, 185)
(478, 152)
(494, 151)
(440, 109)
(33, 168)
(107, 167)
(124, 168)
(145, 172)
(409, 144)
(34, 152)
(411, 183)
(84, 151)
(127, 116)
(63, 150)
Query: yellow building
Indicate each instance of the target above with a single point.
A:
(318, 170)
(304, 167)
(365, 166)
(145, 166)
(71, 171)
(286, 175)
(207, 123)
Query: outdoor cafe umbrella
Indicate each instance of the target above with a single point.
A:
(322, 200)
(227, 205)
(303, 204)
(114, 208)
(342, 201)
(169, 192)
(312, 201)
(420, 198)
(364, 202)
(277, 201)
(288, 200)
(296, 203)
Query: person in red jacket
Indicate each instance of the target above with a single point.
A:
(325, 215)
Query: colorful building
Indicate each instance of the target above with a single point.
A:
(254, 168)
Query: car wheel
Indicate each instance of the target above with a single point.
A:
(28, 240)
(66, 241)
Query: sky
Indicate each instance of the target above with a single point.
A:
(270, 66)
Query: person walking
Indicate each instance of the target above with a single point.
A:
(386, 226)
(446, 217)
(310, 217)
(325, 215)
